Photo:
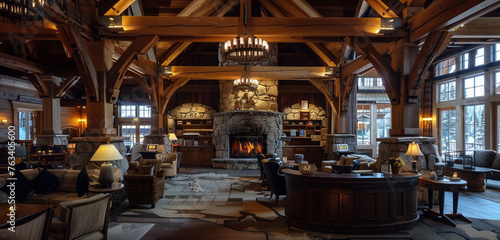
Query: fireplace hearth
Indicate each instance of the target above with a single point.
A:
(246, 146)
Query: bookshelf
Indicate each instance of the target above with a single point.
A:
(305, 138)
(195, 141)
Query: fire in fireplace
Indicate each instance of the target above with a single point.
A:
(246, 146)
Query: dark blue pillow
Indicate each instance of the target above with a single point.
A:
(356, 164)
(45, 181)
(23, 187)
(82, 183)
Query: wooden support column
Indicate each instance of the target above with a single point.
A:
(100, 113)
(404, 116)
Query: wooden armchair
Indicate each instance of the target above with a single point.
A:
(146, 184)
(82, 219)
(34, 227)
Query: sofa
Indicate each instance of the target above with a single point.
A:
(38, 187)
(488, 159)
(354, 163)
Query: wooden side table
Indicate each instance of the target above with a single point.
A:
(474, 177)
(117, 195)
(442, 186)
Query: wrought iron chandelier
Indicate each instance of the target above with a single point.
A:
(21, 11)
(246, 50)
(246, 83)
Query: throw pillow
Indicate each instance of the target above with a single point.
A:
(350, 159)
(23, 187)
(484, 158)
(146, 170)
(45, 181)
(82, 183)
(496, 162)
(356, 164)
(341, 161)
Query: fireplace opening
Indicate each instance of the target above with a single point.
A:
(246, 146)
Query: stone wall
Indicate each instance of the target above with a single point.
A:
(262, 123)
(395, 146)
(264, 98)
(332, 140)
(315, 112)
(192, 111)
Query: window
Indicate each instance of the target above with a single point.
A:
(128, 131)
(464, 61)
(445, 67)
(26, 125)
(144, 112)
(379, 82)
(363, 132)
(383, 120)
(497, 52)
(479, 57)
(127, 111)
(447, 91)
(474, 86)
(448, 130)
(497, 83)
(474, 128)
(143, 131)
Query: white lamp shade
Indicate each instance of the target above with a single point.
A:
(106, 152)
(414, 150)
(172, 137)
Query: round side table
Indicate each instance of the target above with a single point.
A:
(117, 195)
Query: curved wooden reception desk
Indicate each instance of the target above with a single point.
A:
(351, 203)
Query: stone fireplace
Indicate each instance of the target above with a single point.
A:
(239, 136)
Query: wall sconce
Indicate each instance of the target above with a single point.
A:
(427, 119)
(165, 70)
(389, 26)
(4, 121)
(81, 120)
(113, 23)
(135, 120)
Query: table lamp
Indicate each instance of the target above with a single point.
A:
(414, 150)
(173, 141)
(106, 153)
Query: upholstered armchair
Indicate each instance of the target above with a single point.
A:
(82, 219)
(34, 227)
(168, 163)
(145, 185)
(275, 180)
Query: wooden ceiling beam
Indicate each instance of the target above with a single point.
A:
(153, 92)
(306, 8)
(115, 75)
(483, 27)
(382, 9)
(21, 64)
(66, 85)
(381, 63)
(168, 56)
(191, 8)
(325, 55)
(257, 72)
(73, 43)
(434, 44)
(448, 14)
(269, 6)
(355, 67)
(41, 87)
(225, 8)
(113, 7)
(167, 94)
(288, 9)
(322, 86)
(351, 79)
(262, 27)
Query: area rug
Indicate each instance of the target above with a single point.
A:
(242, 204)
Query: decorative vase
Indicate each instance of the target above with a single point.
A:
(395, 170)
(307, 169)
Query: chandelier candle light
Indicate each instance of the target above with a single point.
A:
(414, 150)
(246, 82)
(246, 50)
(21, 11)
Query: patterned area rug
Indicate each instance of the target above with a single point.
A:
(242, 204)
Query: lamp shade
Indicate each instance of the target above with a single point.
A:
(414, 150)
(106, 152)
(172, 137)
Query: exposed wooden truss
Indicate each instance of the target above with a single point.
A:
(40, 86)
(382, 9)
(257, 72)
(20, 64)
(349, 85)
(69, 82)
(169, 91)
(323, 86)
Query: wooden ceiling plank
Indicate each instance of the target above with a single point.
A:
(21, 64)
(382, 64)
(271, 8)
(355, 67)
(483, 27)
(167, 94)
(191, 8)
(382, 9)
(41, 87)
(433, 46)
(115, 75)
(225, 8)
(72, 40)
(306, 8)
(288, 9)
(119, 7)
(66, 85)
(208, 8)
(448, 14)
(416, 3)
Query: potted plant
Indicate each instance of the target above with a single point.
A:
(396, 164)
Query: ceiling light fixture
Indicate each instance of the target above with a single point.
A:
(246, 83)
(22, 11)
(246, 50)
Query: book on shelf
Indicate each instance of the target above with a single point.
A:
(195, 143)
(302, 132)
(293, 132)
(187, 142)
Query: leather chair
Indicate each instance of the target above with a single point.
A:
(275, 180)
(35, 226)
(146, 184)
(81, 219)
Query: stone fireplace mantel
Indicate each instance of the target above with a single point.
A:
(252, 122)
